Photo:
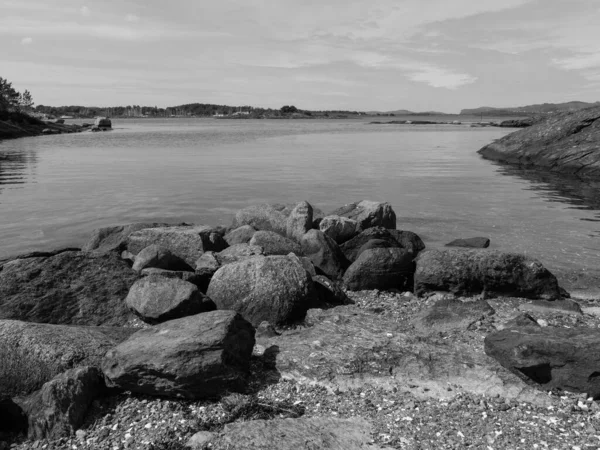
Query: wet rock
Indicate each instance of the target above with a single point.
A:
(240, 235)
(155, 256)
(264, 217)
(449, 315)
(474, 242)
(324, 253)
(275, 244)
(299, 221)
(338, 228)
(381, 268)
(472, 272)
(396, 238)
(114, 239)
(273, 288)
(194, 357)
(368, 214)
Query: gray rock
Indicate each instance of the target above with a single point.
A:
(369, 214)
(299, 221)
(275, 244)
(158, 257)
(156, 299)
(194, 357)
(114, 239)
(265, 329)
(329, 293)
(474, 242)
(239, 252)
(58, 409)
(324, 253)
(186, 242)
(264, 217)
(240, 235)
(472, 272)
(306, 263)
(273, 288)
(396, 238)
(199, 440)
(449, 315)
(190, 277)
(381, 268)
(375, 243)
(338, 228)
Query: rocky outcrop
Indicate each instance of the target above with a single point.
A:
(273, 288)
(156, 299)
(549, 357)
(338, 228)
(517, 123)
(264, 217)
(275, 244)
(114, 239)
(474, 242)
(368, 214)
(299, 221)
(66, 288)
(240, 235)
(381, 268)
(567, 143)
(194, 357)
(325, 254)
(492, 273)
(396, 238)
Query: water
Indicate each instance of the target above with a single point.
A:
(55, 189)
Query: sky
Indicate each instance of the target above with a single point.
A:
(420, 55)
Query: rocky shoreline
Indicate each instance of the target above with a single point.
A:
(334, 330)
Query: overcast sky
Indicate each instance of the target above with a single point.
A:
(441, 55)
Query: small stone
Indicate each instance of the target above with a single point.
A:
(80, 434)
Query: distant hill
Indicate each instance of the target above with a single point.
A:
(544, 108)
(406, 112)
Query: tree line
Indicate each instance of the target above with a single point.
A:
(12, 100)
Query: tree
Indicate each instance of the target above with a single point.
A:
(9, 98)
(288, 109)
(26, 101)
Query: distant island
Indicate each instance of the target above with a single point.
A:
(542, 109)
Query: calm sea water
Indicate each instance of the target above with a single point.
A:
(55, 189)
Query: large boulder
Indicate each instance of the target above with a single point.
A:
(155, 256)
(33, 353)
(381, 268)
(273, 288)
(66, 288)
(114, 239)
(59, 408)
(156, 299)
(474, 242)
(565, 143)
(368, 214)
(275, 244)
(193, 357)
(240, 235)
(325, 254)
(264, 217)
(396, 238)
(549, 357)
(338, 228)
(186, 242)
(299, 221)
(184, 275)
(472, 272)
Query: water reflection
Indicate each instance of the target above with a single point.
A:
(16, 167)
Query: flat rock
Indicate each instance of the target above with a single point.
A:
(325, 254)
(67, 288)
(273, 288)
(474, 242)
(396, 238)
(194, 357)
(275, 244)
(550, 357)
(299, 221)
(265, 217)
(472, 272)
(368, 214)
(339, 228)
(240, 235)
(381, 268)
(114, 239)
(565, 306)
(447, 315)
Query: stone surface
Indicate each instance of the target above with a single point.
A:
(329, 293)
(240, 235)
(186, 242)
(474, 242)
(396, 238)
(550, 357)
(338, 228)
(312, 433)
(199, 440)
(369, 214)
(114, 239)
(156, 299)
(381, 268)
(544, 306)
(184, 275)
(273, 288)
(471, 272)
(446, 315)
(566, 143)
(299, 221)
(33, 353)
(193, 357)
(275, 244)
(58, 409)
(263, 217)
(155, 256)
(67, 288)
(239, 252)
(325, 254)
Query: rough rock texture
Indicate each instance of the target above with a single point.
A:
(368, 214)
(338, 228)
(190, 277)
(517, 123)
(240, 235)
(156, 299)
(273, 288)
(114, 239)
(474, 242)
(381, 268)
(155, 256)
(294, 434)
(58, 409)
(446, 315)
(299, 221)
(396, 238)
(43, 351)
(325, 254)
(374, 243)
(567, 143)
(186, 242)
(275, 244)
(550, 357)
(193, 357)
(329, 292)
(263, 217)
(69, 288)
(469, 272)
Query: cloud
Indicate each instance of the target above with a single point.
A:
(132, 18)
(26, 41)
(442, 78)
(85, 11)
